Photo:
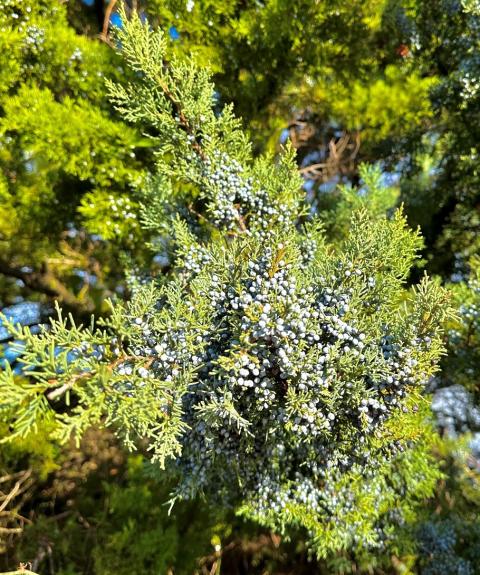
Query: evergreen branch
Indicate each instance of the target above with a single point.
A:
(182, 119)
(88, 374)
(270, 365)
(66, 386)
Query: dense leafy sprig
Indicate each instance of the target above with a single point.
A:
(258, 371)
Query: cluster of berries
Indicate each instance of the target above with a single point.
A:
(281, 373)
(236, 201)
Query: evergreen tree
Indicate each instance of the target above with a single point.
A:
(269, 369)
(400, 78)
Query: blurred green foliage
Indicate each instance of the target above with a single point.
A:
(60, 143)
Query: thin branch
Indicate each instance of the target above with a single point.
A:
(342, 153)
(15, 490)
(11, 476)
(10, 496)
(66, 386)
(44, 281)
(57, 392)
(106, 20)
(183, 122)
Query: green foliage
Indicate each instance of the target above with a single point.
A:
(336, 351)
(448, 540)
(258, 49)
(64, 141)
(61, 147)
(35, 451)
(91, 510)
(394, 104)
(172, 370)
(335, 208)
(366, 519)
(137, 511)
(264, 62)
(128, 529)
(461, 364)
(444, 40)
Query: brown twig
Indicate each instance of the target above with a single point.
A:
(182, 119)
(200, 216)
(11, 521)
(106, 20)
(342, 153)
(11, 476)
(16, 490)
(44, 281)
